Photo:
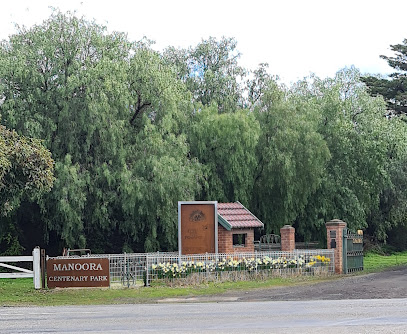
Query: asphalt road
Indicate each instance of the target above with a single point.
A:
(316, 316)
(383, 285)
(373, 303)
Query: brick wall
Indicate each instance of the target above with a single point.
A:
(225, 240)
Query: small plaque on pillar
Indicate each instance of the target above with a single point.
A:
(332, 234)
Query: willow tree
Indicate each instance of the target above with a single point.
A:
(356, 133)
(225, 144)
(64, 81)
(159, 171)
(110, 112)
(211, 72)
(291, 156)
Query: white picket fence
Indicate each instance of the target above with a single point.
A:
(22, 272)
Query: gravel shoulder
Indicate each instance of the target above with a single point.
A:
(388, 284)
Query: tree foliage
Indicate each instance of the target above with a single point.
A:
(132, 131)
(26, 173)
(391, 213)
(104, 107)
(352, 125)
(393, 88)
(225, 144)
(26, 168)
(211, 72)
(291, 157)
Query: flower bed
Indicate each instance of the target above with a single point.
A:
(262, 266)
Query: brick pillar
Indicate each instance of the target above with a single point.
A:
(287, 233)
(334, 233)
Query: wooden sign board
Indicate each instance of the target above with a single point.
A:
(197, 227)
(78, 272)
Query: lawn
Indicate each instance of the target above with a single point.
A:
(20, 292)
(377, 262)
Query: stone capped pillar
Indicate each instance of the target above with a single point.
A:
(334, 234)
(287, 233)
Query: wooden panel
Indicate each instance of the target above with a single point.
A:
(197, 228)
(78, 272)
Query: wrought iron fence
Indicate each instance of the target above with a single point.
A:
(238, 266)
(132, 269)
(127, 269)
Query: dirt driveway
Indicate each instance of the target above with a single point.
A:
(387, 284)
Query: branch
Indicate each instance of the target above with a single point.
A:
(140, 107)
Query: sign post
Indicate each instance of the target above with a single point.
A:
(78, 272)
(197, 227)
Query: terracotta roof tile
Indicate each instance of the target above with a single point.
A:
(237, 216)
(235, 205)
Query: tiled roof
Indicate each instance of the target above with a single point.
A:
(235, 215)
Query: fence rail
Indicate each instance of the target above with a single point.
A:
(132, 269)
(18, 272)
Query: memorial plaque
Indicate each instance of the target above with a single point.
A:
(332, 234)
(78, 272)
(197, 227)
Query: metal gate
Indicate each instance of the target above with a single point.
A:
(352, 251)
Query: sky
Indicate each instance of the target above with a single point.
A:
(295, 37)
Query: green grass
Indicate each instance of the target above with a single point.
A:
(20, 292)
(377, 262)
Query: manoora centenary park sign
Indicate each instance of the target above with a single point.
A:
(79, 272)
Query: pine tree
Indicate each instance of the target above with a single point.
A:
(394, 88)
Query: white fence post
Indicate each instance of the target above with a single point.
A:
(37, 268)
